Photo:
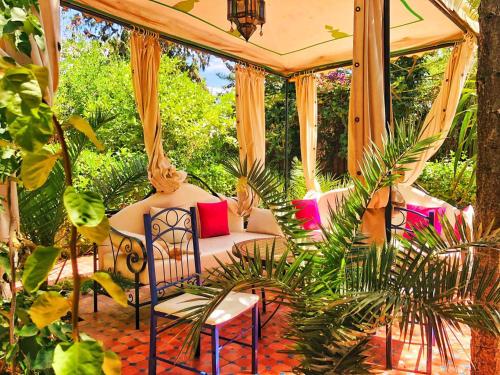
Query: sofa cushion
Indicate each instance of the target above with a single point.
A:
(307, 213)
(415, 221)
(213, 219)
(262, 220)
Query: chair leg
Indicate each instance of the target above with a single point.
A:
(152, 344)
(255, 341)
(388, 346)
(136, 301)
(215, 351)
(259, 324)
(264, 308)
(197, 353)
(430, 339)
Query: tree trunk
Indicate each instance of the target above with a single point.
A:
(485, 349)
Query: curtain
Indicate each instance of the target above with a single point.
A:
(145, 58)
(443, 110)
(366, 105)
(49, 57)
(307, 108)
(250, 127)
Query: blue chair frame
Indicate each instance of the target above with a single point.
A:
(158, 289)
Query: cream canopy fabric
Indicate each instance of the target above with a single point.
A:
(298, 35)
(443, 110)
(366, 106)
(307, 108)
(250, 126)
(145, 58)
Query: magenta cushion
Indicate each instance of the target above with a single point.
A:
(213, 219)
(414, 221)
(308, 213)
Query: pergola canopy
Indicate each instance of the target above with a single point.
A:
(299, 36)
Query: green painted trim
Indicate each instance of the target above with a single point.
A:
(405, 4)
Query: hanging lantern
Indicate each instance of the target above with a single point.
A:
(246, 15)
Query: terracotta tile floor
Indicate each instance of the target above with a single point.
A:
(113, 325)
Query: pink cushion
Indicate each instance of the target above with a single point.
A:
(213, 219)
(308, 213)
(414, 221)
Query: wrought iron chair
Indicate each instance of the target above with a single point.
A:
(172, 267)
(429, 332)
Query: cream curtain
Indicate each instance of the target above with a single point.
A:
(307, 108)
(250, 127)
(145, 59)
(366, 105)
(49, 57)
(443, 110)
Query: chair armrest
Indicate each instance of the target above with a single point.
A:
(130, 245)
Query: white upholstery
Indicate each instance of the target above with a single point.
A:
(262, 220)
(231, 307)
(330, 200)
(130, 219)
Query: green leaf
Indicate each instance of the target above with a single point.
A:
(47, 308)
(42, 75)
(113, 289)
(31, 132)
(43, 360)
(97, 233)
(36, 167)
(17, 14)
(31, 93)
(112, 363)
(38, 265)
(82, 358)
(83, 208)
(84, 127)
(4, 258)
(28, 330)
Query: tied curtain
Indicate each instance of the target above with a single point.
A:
(145, 59)
(366, 105)
(250, 127)
(307, 108)
(48, 57)
(443, 110)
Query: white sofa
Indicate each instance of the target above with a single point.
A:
(129, 221)
(407, 195)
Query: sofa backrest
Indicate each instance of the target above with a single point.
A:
(130, 218)
(331, 200)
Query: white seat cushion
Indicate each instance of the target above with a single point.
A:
(232, 306)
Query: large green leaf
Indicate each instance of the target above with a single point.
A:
(97, 233)
(47, 308)
(113, 289)
(38, 265)
(112, 364)
(36, 167)
(82, 358)
(32, 131)
(84, 208)
(84, 127)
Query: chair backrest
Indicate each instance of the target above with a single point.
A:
(172, 249)
(401, 225)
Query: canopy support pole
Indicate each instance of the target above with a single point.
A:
(287, 141)
(387, 109)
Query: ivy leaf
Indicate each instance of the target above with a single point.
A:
(96, 234)
(84, 209)
(112, 364)
(82, 358)
(27, 330)
(31, 132)
(4, 260)
(113, 289)
(47, 308)
(84, 127)
(42, 75)
(31, 93)
(43, 360)
(36, 167)
(17, 14)
(38, 265)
